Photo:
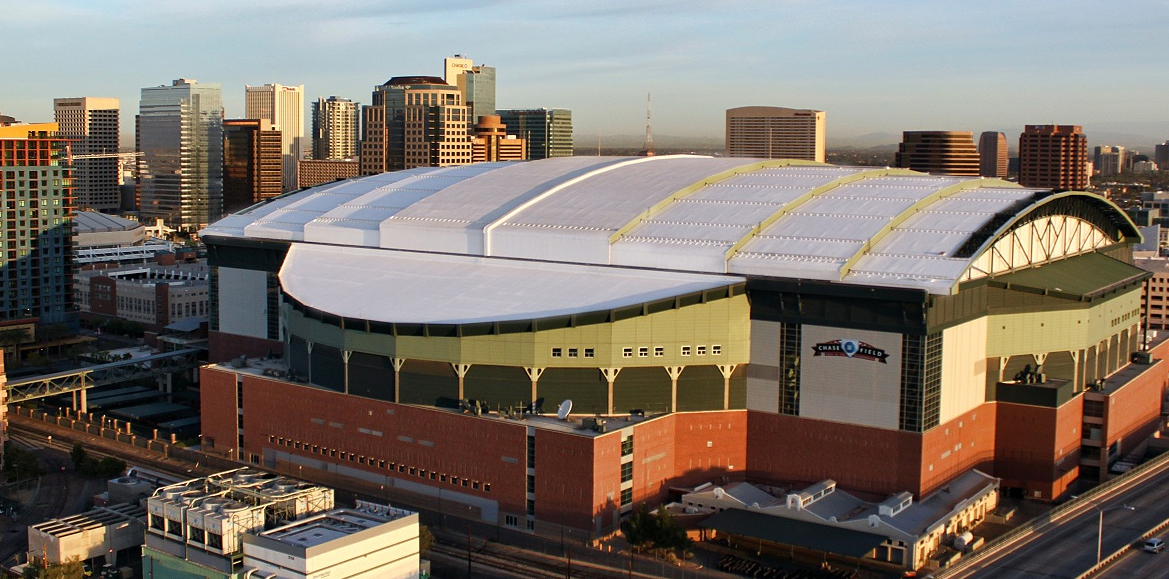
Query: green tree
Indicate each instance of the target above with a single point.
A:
(658, 532)
(425, 538)
(12, 339)
(71, 569)
(20, 464)
(78, 455)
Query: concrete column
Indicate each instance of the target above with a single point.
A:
(345, 358)
(610, 376)
(1003, 367)
(674, 372)
(1076, 385)
(534, 376)
(84, 401)
(310, 361)
(726, 370)
(397, 362)
(461, 372)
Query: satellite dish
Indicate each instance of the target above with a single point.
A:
(565, 408)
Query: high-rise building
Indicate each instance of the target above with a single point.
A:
(37, 275)
(477, 83)
(492, 143)
(283, 106)
(1109, 160)
(1161, 155)
(548, 131)
(992, 154)
(180, 136)
(252, 162)
(414, 121)
(775, 133)
(939, 152)
(1054, 156)
(91, 124)
(335, 128)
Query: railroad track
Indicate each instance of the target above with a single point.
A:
(517, 564)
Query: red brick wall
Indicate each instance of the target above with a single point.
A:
(100, 286)
(953, 448)
(217, 407)
(1038, 448)
(1134, 411)
(224, 346)
(791, 449)
(726, 456)
(423, 438)
(567, 488)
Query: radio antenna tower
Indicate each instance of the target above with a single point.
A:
(647, 149)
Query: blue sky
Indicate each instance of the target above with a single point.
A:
(875, 67)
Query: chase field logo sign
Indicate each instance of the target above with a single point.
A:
(850, 349)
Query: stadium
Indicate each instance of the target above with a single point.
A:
(710, 319)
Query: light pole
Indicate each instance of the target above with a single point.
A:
(1100, 528)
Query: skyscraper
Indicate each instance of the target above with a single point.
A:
(1109, 160)
(283, 106)
(414, 121)
(992, 154)
(548, 131)
(477, 83)
(939, 152)
(1161, 155)
(252, 163)
(37, 275)
(180, 135)
(91, 123)
(335, 128)
(775, 133)
(1054, 156)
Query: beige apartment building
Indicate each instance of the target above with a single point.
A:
(775, 133)
(492, 143)
(91, 123)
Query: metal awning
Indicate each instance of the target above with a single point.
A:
(776, 529)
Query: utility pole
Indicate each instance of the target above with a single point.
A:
(468, 549)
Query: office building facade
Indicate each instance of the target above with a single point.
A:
(336, 128)
(253, 162)
(992, 155)
(91, 124)
(1109, 160)
(547, 131)
(37, 185)
(283, 106)
(314, 172)
(477, 83)
(939, 153)
(415, 121)
(775, 133)
(180, 136)
(1054, 156)
(492, 143)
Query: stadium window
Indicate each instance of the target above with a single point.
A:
(588, 353)
(556, 352)
(685, 350)
(643, 352)
(659, 351)
(701, 350)
(572, 352)
(627, 352)
(716, 350)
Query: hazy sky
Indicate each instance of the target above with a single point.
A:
(874, 66)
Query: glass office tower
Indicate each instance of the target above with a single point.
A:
(180, 135)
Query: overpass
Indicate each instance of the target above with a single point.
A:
(79, 380)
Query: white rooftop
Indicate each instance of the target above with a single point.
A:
(788, 219)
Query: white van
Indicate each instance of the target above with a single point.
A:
(1154, 545)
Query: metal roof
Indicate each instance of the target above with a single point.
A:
(784, 531)
(776, 218)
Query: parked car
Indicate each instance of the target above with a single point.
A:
(1154, 545)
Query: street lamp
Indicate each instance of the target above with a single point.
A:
(1100, 528)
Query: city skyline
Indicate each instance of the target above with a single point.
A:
(925, 66)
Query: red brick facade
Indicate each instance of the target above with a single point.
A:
(226, 346)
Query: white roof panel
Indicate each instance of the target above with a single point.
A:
(405, 287)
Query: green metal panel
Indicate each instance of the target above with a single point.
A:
(429, 383)
(700, 388)
(371, 376)
(328, 368)
(646, 389)
(738, 393)
(498, 386)
(586, 387)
